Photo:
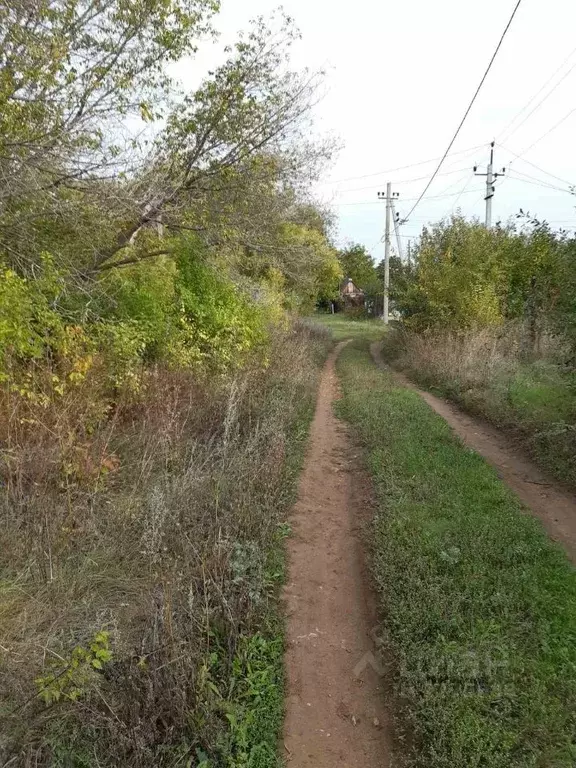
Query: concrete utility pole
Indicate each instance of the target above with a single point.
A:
(490, 189)
(388, 198)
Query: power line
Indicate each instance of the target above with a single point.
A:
(541, 184)
(401, 181)
(408, 200)
(475, 203)
(462, 192)
(517, 115)
(538, 168)
(557, 125)
(455, 184)
(489, 67)
(401, 167)
(537, 107)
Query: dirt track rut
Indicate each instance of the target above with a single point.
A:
(555, 507)
(335, 709)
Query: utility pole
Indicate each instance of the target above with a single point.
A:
(388, 198)
(490, 188)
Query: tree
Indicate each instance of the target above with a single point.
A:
(249, 107)
(357, 264)
(459, 277)
(320, 271)
(238, 140)
(403, 284)
(72, 68)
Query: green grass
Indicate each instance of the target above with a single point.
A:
(478, 605)
(540, 401)
(540, 394)
(534, 401)
(343, 327)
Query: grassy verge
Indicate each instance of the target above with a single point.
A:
(343, 327)
(479, 606)
(536, 401)
(139, 615)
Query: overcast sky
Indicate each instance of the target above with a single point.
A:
(399, 77)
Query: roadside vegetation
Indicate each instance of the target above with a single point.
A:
(478, 606)
(155, 381)
(138, 603)
(489, 320)
(485, 373)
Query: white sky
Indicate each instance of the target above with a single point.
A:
(399, 77)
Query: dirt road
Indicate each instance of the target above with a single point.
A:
(335, 709)
(555, 508)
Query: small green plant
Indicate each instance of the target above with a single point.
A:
(254, 708)
(71, 678)
(284, 529)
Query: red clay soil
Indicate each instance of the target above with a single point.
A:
(556, 508)
(335, 709)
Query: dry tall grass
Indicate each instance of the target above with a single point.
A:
(489, 373)
(158, 527)
(473, 359)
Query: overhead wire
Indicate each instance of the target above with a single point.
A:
(470, 105)
(482, 197)
(399, 168)
(406, 200)
(548, 132)
(505, 129)
(541, 184)
(457, 182)
(401, 181)
(538, 168)
(469, 153)
(462, 192)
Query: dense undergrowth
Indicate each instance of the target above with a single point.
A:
(486, 373)
(140, 564)
(478, 606)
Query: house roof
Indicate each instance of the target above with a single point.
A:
(347, 288)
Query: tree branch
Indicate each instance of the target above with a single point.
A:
(132, 260)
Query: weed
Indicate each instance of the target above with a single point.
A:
(71, 678)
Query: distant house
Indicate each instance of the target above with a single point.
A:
(350, 294)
